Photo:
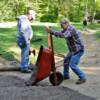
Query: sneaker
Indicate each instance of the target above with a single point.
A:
(80, 81)
(26, 71)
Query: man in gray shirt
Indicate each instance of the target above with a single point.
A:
(24, 28)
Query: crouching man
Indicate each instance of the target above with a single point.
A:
(75, 46)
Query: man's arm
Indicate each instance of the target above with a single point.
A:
(61, 34)
(30, 32)
(27, 30)
(53, 32)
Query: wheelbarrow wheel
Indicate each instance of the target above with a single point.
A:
(59, 79)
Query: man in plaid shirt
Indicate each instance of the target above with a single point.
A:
(75, 46)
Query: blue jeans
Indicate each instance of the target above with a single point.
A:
(72, 62)
(25, 57)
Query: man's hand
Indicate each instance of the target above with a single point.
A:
(48, 30)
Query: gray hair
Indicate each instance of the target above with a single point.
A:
(64, 21)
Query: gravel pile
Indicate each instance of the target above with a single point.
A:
(13, 88)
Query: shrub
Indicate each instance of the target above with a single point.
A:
(48, 18)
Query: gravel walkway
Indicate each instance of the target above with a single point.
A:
(13, 88)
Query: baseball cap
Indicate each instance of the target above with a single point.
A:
(64, 21)
(32, 13)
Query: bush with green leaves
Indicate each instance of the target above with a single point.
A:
(48, 18)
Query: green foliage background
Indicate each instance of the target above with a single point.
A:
(50, 10)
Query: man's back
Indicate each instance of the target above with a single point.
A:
(74, 41)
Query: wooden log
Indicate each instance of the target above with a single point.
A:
(10, 68)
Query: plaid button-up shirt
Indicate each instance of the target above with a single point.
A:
(72, 37)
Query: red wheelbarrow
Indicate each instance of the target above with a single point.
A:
(45, 66)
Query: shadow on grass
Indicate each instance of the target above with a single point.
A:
(7, 55)
(7, 39)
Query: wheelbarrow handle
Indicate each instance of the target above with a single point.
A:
(50, 42)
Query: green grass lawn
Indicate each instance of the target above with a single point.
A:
(7, 40)
(39, 32)
(10, 51)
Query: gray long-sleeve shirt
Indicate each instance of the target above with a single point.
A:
(24, 27)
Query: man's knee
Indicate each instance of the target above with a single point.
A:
(73, 63)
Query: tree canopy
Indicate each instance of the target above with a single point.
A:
(51, 10)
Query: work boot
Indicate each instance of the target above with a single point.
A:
(81, 81)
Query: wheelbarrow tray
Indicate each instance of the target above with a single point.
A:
(45, 64)
(42, 67)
